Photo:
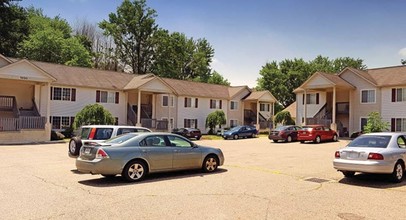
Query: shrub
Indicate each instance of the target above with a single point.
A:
(93, 115)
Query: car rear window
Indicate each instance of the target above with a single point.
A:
(281, 128)
(307, 128)
(378, 141)
(103, 133)
(84, 133)
(122, 138)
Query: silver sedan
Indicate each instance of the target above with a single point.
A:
(134, 155)
(383, 152)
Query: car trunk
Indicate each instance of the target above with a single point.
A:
(358, 153)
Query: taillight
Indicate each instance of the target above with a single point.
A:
(337, 154)
(92, 133)
(101, 154)
(375, 156)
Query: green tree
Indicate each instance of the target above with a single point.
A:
(283, 77)
(217, 78)
(375, 123)
(179, 57)
(132, 28)
(50, 41)
(13, 27)
(284, 118)
(215, 118)
(93, 115)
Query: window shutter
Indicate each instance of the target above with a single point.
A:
(185, 102)
(393, 95)
(72, 119)
(221, 103)
(196, 103)
(73, 96)
(195, 123)
(97, 95)
(317, 98)
(185, 123)
(117, 97)
(393, 124)
(303, 99)
(52, 88)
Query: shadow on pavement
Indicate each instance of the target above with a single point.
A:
(151, 178)
(379, 181)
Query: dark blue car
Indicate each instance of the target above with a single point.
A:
(240, 131)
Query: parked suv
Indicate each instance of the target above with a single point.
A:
(89, 134)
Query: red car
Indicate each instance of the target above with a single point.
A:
(316, 133)
(286, 133)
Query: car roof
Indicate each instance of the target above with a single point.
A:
(386, 133)
(112, 126)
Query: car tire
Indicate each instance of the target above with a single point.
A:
(289, 138)
(235, 136)
(302, 142)
(198, 138)
(398, 172)
(335, 138)
(276, 141)
(74, 146)
(134, 171)
(348, 174)
(210, 164)
(317, 140)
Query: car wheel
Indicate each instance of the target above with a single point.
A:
(398, 172)
(198, 137)
(302, 142)
(335, 138)
(134, 171)
(74, 146)
(348, 173)
(236, 136)
(289, 138)
(210, 164)
(317, 139)
(276, 141)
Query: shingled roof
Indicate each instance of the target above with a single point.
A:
(389, 76)
(198, 89)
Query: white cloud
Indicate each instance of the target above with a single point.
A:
(402, 52)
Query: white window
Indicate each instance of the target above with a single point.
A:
(264, 107)
(312, 98)
(61, 122)
(216, 104)
(233, 123)
(368, 96)
(188, 102)
(233, 105)
(167, 100)
(107, 97)
(190, 123)
(63, 94)
(400, 124)
(399, 95)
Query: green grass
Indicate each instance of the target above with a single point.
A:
(211, 137)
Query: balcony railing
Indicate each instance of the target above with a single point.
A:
(22, 122)
(161, 125)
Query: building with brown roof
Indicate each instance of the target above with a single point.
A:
(344, 100)
(36, 97)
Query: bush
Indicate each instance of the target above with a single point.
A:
(55, 135)
(93, 115)
(375, 123)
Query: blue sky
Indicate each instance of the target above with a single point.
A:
(247, 34)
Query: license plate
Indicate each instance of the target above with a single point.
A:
(353, 154)
(87, 151)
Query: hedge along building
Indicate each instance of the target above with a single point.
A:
(36, 97)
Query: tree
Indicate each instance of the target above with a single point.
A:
(179, 57)
(49, 40)
(375, 123)
(13, 27)
(132, 28)
(93, 115)
(215, 118)
(403, 61)
(283, 77)
(284, 118)
(216, 78)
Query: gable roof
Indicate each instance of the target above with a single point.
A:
(389, 76)
(85, 77)
(331, 79)
(234, 90)
(34, 73)
(261, 96)
(361, 73)
(198, 89)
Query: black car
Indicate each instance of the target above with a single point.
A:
(188, 132)
(286, 133)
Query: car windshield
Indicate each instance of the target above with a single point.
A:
(235, 128)
(281, 128)
(122, 138)
(379, 141)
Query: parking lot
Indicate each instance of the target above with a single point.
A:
(259, 180)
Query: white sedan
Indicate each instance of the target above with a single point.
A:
(383, 152)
